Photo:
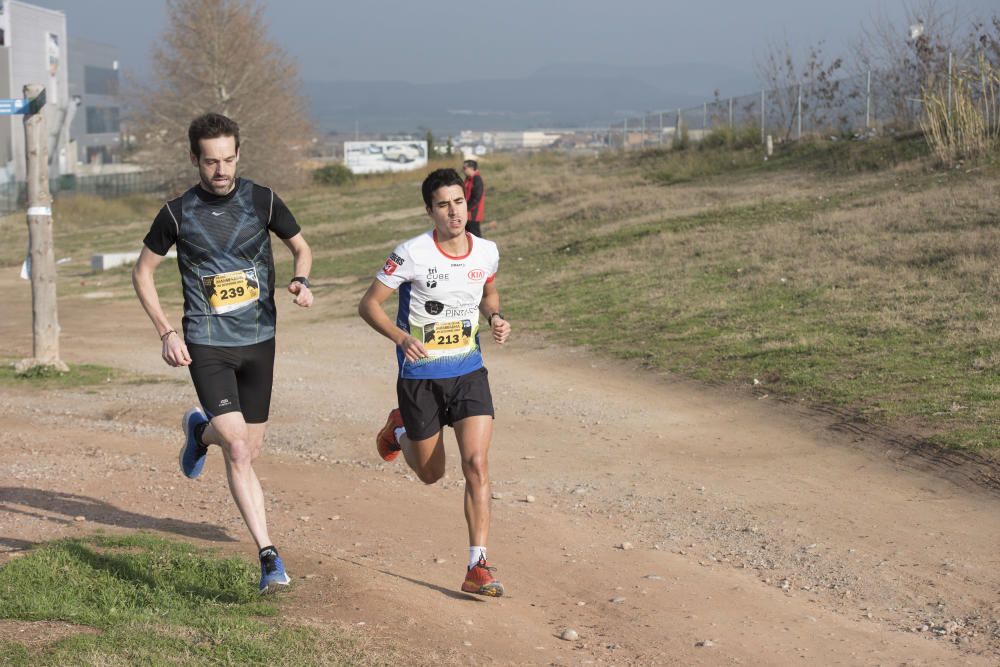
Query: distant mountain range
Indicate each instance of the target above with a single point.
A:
(554, 96)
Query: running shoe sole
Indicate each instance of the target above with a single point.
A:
(386, 438)
(493, 590)
(274, 581)
(276, 586)
(188, 436)
(486, 584)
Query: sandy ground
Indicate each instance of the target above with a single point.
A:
(666, 523)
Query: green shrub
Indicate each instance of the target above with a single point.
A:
(747, 136)
(333, 174)
(840, 156)
(681, 140)
(717, 138)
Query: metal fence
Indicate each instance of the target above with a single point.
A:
(13, 194)
(851, 105)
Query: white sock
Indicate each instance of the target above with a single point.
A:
(400, 432)
(475, 553)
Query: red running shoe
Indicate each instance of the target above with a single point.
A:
(385, 441)
(479, 580)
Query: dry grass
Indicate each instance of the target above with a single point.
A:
(83, 224)
(960, 116)
(874, 289)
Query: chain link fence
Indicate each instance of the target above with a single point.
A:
(861, 104)
(13, 195)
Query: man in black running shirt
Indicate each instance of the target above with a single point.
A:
(221, 228)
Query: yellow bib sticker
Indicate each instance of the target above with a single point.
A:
(231, 291)
(448, 336)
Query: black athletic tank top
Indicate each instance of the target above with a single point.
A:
(227, 269)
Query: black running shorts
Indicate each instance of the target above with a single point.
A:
(234, 379)
(474, 228)
(427, 406)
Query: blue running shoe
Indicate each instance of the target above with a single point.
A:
(193, 453)
(272, 571)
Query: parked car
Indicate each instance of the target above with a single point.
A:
(400, 153)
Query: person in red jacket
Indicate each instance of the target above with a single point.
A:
(475, 196)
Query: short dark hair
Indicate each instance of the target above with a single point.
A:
(210, 126)
(471, 163)
(440, 178)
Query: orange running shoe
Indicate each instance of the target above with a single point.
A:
(385, 441)
(479, 580)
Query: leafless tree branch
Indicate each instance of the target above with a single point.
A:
(214, 55)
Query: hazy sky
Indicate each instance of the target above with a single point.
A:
(431, 41)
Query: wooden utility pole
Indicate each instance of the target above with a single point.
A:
(44, 311)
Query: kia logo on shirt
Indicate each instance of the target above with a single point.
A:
(475, 275)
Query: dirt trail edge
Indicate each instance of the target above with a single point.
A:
(664, 522)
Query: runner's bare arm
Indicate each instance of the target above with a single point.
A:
(489, 305)
(303, 259)
(370, 310)
(174, 351)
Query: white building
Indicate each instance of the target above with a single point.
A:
(33, 50)
(94, 78)
(522, 140)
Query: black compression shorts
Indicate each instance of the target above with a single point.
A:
(427, 406)
(234, 379)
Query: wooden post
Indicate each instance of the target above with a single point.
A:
(763, 117)
(799, 110)
(44, 311)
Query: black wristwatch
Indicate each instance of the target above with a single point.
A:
(301, 279)
(489, 320)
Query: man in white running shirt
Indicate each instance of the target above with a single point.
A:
(446, 279)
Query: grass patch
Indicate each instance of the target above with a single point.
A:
(844, 156)
(724, 155)
(47, 377)
(156, 601)
(669, 167)
(844, 281)
(83, 224)
(79, 375)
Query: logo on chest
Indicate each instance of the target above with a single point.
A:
(433, 276)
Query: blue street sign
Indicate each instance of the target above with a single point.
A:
(10, 107)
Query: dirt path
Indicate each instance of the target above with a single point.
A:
(753, 533)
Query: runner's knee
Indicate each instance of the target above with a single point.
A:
(475, 467)
(430, 474)
(240, 451)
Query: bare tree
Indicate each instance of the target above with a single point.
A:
(985, 36)
(906, 57)
(814, 79)
(214, 55)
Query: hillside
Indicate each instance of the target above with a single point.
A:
(852, 276)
